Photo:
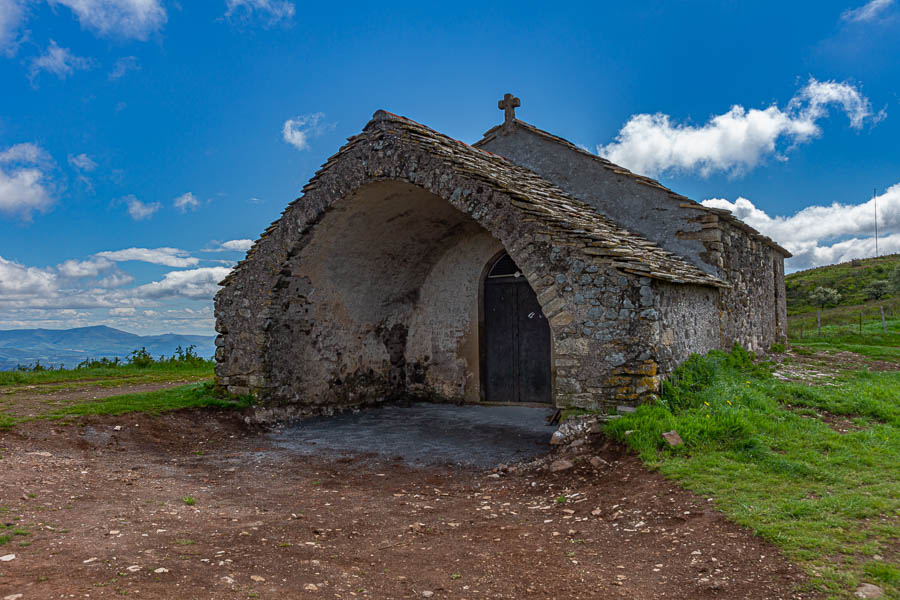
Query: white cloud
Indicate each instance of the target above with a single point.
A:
(811, 103)
(241, 245)
(119, 18)
(123, 65)
(89, 292)
(194, 283)
(17, 281)
(821, 235)
(867, 12)
(186, 202)
(82, 162)
(59, 61)
(25, 153)
(140, 210)
(736, 141)
(170, 257)
(25, 184)
(12, 15)
(115, 279)
(273, 11)
(85, 268)
(298, 131)
(237, 245)
(23, 191)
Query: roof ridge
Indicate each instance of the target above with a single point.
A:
(642, 179)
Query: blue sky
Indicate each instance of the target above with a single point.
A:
(143, 142)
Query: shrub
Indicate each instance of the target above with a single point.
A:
(37, 367)
(880, 288)
(92, 363)
(140, 358)
(824, 296)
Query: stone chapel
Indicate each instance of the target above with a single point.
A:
(519, 269)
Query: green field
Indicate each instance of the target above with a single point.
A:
(767, 451)
(63, 393)
(198, 395)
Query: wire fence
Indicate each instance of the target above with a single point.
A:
(860, 320)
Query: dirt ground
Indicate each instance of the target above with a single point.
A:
(821, 368)
(101, 511)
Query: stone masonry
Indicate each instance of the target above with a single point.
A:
(369, 286)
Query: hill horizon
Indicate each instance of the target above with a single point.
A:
(68, 347)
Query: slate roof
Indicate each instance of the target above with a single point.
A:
(560, 215)
(686, 202)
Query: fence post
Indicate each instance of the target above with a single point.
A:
(819, 322)
(860, 322)
(883, 324)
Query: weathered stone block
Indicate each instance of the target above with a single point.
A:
(573, 346)
(561, 319)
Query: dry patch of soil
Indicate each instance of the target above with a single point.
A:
(103, 504)
(820, 368)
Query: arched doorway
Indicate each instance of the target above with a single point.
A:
(516, 345)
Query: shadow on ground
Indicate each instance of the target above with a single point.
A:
(425, 434)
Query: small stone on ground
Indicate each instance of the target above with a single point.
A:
(869, 590)
(673, 438)
(560, 465)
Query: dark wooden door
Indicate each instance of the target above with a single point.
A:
(516, 338)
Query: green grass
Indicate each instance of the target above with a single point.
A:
(872, 343)
(10, 531)
(121, 374)
(849, 278)
(201, 395)
(830, 501)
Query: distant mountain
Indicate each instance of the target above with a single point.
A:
(71, 346)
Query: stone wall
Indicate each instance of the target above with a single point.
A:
(688, 323)
(754, 312)
(341, 301)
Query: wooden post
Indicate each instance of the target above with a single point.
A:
(883, 324)
(860, 322)
(819, 321)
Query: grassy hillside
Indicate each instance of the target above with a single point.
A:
(849, 278)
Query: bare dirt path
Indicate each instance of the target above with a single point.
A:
(101, 510)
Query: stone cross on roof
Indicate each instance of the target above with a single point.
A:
(508, 106)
